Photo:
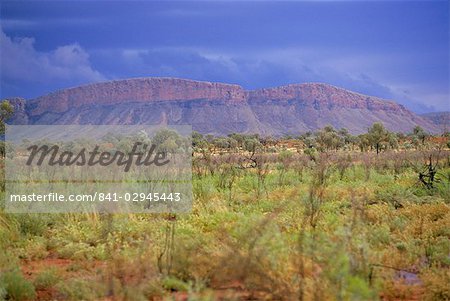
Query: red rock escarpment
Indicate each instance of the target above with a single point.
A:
(327, 96)
(216, 108)
(135, 90)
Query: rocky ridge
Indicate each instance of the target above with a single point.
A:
(216, 108)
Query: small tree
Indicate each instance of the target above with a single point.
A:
(6, 111)
(393, 141)
(420, 133)
(328, 139)
(363, 142)
(345, 135)
(378, 135)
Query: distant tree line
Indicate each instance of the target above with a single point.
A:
(376, 139)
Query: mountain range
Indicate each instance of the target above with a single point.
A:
(440, 119)
(217, 108)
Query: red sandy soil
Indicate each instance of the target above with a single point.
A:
(31, 269)
(231, 291)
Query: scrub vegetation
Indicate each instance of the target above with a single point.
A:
(321, 216)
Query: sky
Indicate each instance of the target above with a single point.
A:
(397, 50)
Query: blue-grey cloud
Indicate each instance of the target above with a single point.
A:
(395, 50)
(21, 62)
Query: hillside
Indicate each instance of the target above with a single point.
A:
(440, 119)
(216, 108)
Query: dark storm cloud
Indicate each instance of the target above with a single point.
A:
(395, 50)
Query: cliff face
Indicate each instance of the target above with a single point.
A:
(439, 119)
(306, 107)
(135, 90)
(20, 114)
(216, 108)
(323, 96)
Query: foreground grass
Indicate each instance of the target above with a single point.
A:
(316, 233)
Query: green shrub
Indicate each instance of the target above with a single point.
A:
(8, 229)
(153, 289)
(79, 289)
(134, 294)
(396, 196)
(8, 260)
(438, 250)
(436, 284)
(358, 289)
(175, 284)
(46, 279)
(17, 288)
(33, 224)
(380, 235)
(2, 291)
(34, 248)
